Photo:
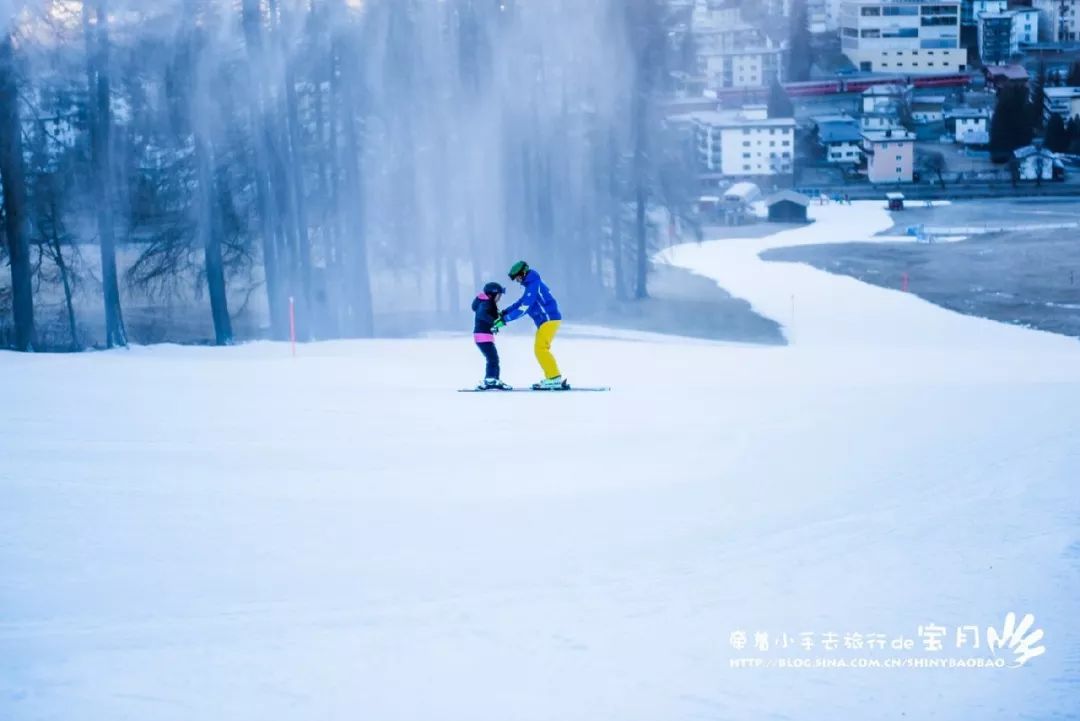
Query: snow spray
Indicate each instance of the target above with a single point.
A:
(292, 325)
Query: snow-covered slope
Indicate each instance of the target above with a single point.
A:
(194, 533)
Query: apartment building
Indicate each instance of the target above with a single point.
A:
(909, 36)
(1061, 101)
(1001, 35)
(745, 143)
(890, 155)
(1059, 20)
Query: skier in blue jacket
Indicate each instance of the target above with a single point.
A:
(540, 305)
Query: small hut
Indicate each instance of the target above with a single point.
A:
(787, 206)
(896, 200)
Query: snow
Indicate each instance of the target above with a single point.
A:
(196, 533)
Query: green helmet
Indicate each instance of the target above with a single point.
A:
(518, 268)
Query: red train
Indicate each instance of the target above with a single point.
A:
(812, 88)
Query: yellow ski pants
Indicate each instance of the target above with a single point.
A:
(545, 334)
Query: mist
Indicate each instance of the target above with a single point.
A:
(195, 170)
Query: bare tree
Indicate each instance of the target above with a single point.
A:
(96, 26)
(12, 179)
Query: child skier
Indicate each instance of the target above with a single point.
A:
(486, 308)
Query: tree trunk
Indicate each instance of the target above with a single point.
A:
(13, 181)
(96, 25)
(363, 321)
(279, 313)
(210, 229)
(302, 251)
(65, 274)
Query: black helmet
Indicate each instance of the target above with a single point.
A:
(518, 269)
(494, 289)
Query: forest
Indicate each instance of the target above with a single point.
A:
(213, 171)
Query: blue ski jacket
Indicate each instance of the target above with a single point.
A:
(538, 302)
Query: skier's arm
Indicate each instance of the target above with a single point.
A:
(520, 308)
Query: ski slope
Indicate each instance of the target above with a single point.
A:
(197, 533)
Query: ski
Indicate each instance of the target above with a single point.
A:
(572, 389)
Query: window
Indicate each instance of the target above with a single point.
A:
(899, 158)
(786, 143)
(746, 144)
(871, 12)
(746, 156)
(746, 168)
(899, 171)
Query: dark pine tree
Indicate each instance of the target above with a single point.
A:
(1057, 135)
(1038, 97)
(1011, 127)
(1073, 79)
(800, 52)
(779, 103)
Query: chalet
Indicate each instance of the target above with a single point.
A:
(787, 206)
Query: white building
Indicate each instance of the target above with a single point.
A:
(741, 68)
(1036, 163)
(732, 53)
(909, 36)
(970, 126)
(1061, 101)
(1059, 20)
(711, 15)
(840, 137)
(745, 143)
(928, 109)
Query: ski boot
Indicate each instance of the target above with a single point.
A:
(558, 383)
(493, 384)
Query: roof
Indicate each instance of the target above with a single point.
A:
(965, 112)
(735, 119)
(787, 195)
(744, 191)
(895, 135)
(894, 196)
(887, 90)
(1029, 151)
(1007, 72)
(1062, 93)
(839, 132)
(928, 100)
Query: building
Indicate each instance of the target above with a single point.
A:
(1038, 164)
(1059, 20)
(971, 9)
(753, 67)
(969, 126)
(890, 155)
(744, 143)
(732, 53)
(1061, 101)
(710, 14)
(892, 98)
(908, 36)
(1002, 35)
(1000, 76)
(840, 139)
(928, 109)
(787, 206)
